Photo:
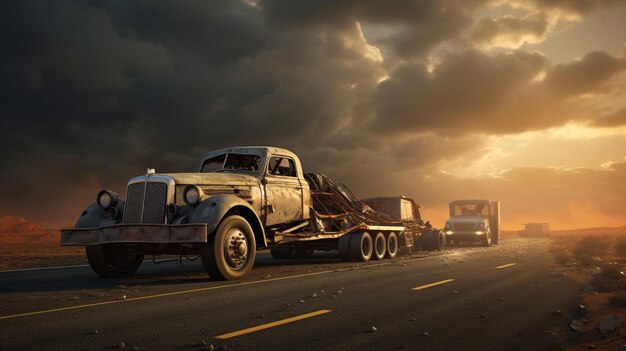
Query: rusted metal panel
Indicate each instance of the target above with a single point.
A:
(135, 233)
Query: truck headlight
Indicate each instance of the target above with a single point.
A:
(106, 199)
(191, 195)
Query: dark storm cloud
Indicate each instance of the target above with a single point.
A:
(586, 75)
(471, 91)
(411, 28)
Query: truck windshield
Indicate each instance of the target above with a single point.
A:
(231, 162)
(479, 209)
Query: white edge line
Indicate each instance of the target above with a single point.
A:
(43, 268)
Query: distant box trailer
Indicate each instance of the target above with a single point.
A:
(535, 229)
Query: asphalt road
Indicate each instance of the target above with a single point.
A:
(497, 298)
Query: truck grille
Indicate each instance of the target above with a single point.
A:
(153, 208)
(464, 226)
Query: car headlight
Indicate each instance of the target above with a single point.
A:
(191, 195)
(106, 199)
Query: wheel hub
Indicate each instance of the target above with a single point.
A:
(236, 248)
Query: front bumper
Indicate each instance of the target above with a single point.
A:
(464, 235)
(135, 233)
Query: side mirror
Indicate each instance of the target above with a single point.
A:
(264, 181)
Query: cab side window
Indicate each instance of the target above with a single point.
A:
(281, 166)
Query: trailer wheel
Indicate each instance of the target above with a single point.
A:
(230, 255)
(281, 252)
(426, 241)
(380, 246)
(438, 240)
(361, 247)
(392, 245)
(344, 247)
(113, 260)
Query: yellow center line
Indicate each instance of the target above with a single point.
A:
(271, 325)
(433, 284)
(69, 308)
(506, 265)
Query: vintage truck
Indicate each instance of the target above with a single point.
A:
(473, 221)
(535, 229)
(417, 233)
(242, 199)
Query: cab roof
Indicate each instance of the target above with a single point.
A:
(255, 150)
(464, 202)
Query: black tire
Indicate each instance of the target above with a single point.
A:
(281, 252)
(426, 241)
(231, 252)
(344, 247)
(379, 247)
(361, 247)
(392, 245)
(438, 240)
(113, 260)
(486, 240)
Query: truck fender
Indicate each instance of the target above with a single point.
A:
(93, 216)
(213, 209)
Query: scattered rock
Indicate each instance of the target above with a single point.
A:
(592, 346)
(261, 316)
(268, 276)
(577, 325)
(373, 329)
(412, 319)
(95, 331)
(210, 347)
(609, 324)
(425, 333)
(120, 345)
(557, 313)
(301, 301)
(503, 299)
(483, 316)
(315, 295)
(456, 292)
(123, 297)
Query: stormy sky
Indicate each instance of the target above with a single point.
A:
(518, 101)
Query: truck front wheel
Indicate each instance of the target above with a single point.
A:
(230, 255)
(113, 260)
(486, 241)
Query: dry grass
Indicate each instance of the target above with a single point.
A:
(17, 256)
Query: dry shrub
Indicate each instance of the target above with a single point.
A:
(588, 247)
(562, 257)
(620, 247)
(609, 278)
(618, 300)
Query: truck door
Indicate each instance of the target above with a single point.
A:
(283, 191)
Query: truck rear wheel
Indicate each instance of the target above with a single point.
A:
(361, 247)
(392, 245)
(230, 255)
(113, 260)
(380, 246)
